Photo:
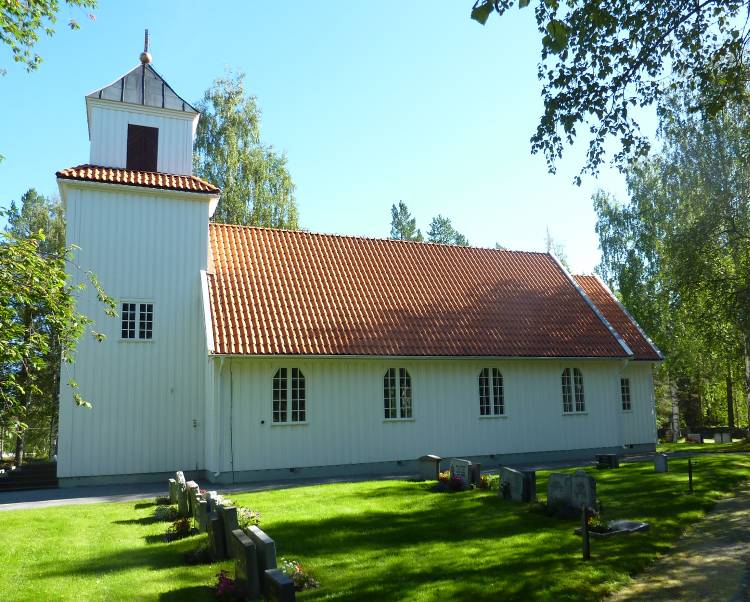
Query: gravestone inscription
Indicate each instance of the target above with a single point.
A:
(460, 469)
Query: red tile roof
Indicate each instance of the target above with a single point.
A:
(279, 292)
(131, 177)
(618, 317)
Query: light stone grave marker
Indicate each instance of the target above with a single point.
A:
(722, 437)
(246, 570)
(193, 492)
(278, 587)
(521, 485)
(202, 515)
(559, 489)
(460, 469)
(661, 463)
(172, 491)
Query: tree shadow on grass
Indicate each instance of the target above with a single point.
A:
(196, 592)
(144, 520)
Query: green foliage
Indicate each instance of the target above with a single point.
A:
(678, 251)
(21, 22)
(601, 60)
(256, 186)
(403, 225)
(39, 324)
(442, 231)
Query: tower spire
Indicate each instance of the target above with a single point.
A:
(145, 56)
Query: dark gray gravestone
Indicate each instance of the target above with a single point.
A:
(183, 506)
(229, 518)
(216, 541)
(278, 587)
(529, 486)
(475, 474)
(245, 564)
(266, 549)
(559, 489)
(521, 484)
(172, 491)
(202, 515)
(583, 490)
(661, 463)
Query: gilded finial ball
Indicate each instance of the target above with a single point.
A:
(145, 58)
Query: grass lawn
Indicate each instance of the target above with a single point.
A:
(737, 445)
(376, 540)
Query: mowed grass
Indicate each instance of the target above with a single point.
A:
(376, 540)
(737, 445)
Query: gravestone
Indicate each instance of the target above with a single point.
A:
(277, 586)
(246, 572)
(229, 519)
(216, 539)
(722, 437)
(608, 460)
(521, 486)
(660, 463)
(193, 493)
(475, 474)
(429, 467)
(179, 476)
(266, 549)
(211, 497)
(694, 438)
(460, 469)
(559, 489)
(183, 507)
(583, 490)
(201, 517)
(172, 491)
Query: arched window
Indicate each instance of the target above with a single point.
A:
(491, 398)
(281, 395)
(572, 387)
(397, 397)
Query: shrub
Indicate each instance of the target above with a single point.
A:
(179, 530)
(162, 500)
(484, 481)
(299, 577)
(169, 513)
(226, 588)
(247, 517)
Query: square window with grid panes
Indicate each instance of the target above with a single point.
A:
(137, 320)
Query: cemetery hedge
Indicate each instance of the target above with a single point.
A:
(378, 540)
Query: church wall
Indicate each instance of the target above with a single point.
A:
(147, 396)
(346, 422)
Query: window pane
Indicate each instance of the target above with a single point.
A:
(578, 383)
(279, 395)
(567, 393)
(128, 321)
(298, 395)
(497, 392)
(145, 320)
(625, 393)
(405, 387)
(389, 393)
(484, 392)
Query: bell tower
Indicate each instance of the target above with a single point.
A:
(139, 122)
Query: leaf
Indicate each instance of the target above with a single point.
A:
(481, 12)
(523, 3)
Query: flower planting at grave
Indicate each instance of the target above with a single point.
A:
(200, 555)
(166, 513)
(447, 483)
(301, 579)
(180, 529)
(226, 589)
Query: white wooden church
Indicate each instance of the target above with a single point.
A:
(247, 353)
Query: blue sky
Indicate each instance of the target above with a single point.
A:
(373, 102)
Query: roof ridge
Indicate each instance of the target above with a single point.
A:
(373, 238)
(143, 171)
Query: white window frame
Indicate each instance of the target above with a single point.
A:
(397, 375)
(495, 408)
(573, 391)
(286, 417)
(626, 398)
(137, 324)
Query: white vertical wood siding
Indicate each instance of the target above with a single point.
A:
(145, 395)
(345, 423)
(109, 137)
